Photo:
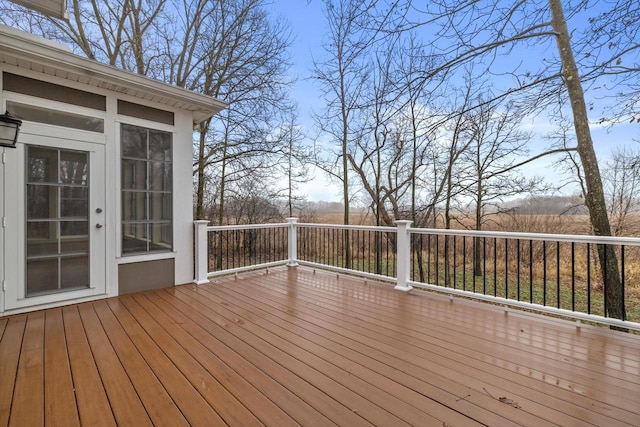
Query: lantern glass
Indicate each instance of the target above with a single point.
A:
(9, 128)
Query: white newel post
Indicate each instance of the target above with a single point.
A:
(202, 252)
(293, 242)
(403, 255)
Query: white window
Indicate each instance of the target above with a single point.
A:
(147, 191)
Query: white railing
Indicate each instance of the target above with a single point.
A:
(551, 273)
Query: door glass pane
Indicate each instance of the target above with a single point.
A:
(43, 201)
(42, 165)
(74, 272)
(42, 276)
(75, 245)
(73, 168)
(57, 193)
(42, 238)
(74, 202)
(74, 228)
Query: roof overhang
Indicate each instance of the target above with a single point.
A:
(54, 8)
(34, 53)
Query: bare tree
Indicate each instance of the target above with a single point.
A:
(342, 75)
(621, 175)
(243, 61)
(497, 142)
(122, 33)
(294, 164)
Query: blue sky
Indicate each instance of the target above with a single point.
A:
(307, 25)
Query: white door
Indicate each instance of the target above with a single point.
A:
(54, 243)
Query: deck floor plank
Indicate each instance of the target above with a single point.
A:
(292, 346)
(10, 346)
(59, 395)
(28, 394)
(205, 381)
(561, 337)
(225, 404)
(93, 405)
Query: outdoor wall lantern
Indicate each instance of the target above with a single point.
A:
(9, 128)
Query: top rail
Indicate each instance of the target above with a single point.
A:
(576, 238)
(246, 226)
(348, 227)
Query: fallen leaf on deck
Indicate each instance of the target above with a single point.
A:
(509, 402)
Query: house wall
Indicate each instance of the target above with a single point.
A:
(119, 267)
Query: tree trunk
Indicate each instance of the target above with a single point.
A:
(219, 253)
(200, 214)
(594, 198)
(477, 254)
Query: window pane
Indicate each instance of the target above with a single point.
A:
(134, 174)
(42, 275)
(74, 168)
(74, 202)
(75, 245)
(74, 228)
(161, 237)
(134, 206)
(42, 230)
(160, 177)
(42, 165)
(160, 145)
(74, 272)
(56, 117)
(160, 207)
(42, 201)
(42, 238)
(134, 238)
(134, 142)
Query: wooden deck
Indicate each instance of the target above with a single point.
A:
(294, 347)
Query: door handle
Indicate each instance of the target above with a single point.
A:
(98, 225)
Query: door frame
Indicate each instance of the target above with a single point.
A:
(15, 211)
